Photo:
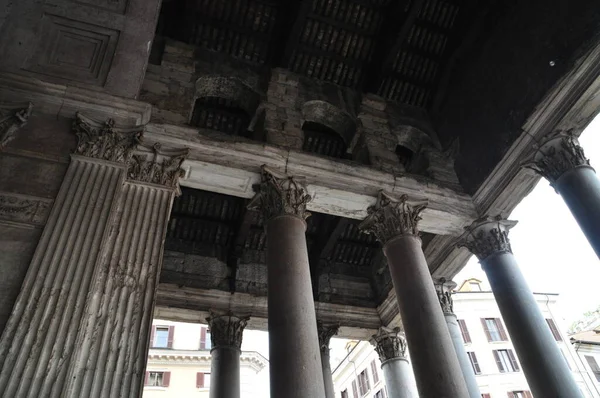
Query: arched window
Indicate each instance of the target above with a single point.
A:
(322, 140)
(405, 156)
(220, 114)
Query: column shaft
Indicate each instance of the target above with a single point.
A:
(435, 364)
(580, 189)
(295, 363)
(225, 372)
(327, 376)
(461, 354)
(544, 366)
(399, 379)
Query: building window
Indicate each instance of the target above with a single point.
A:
(355, 389)
(520, 394)
(594, 366)
(322, 140)
(363, 383)
(205, 341)
(202, 380)
(474, 363)
(506, 361)
(464, 331)
(162, 337)
(475, 286)
(379, 394)
(157, 379)
(345, 394)
(374, 372)
(553, 329)
(494, 330)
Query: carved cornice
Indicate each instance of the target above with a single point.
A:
(280, 195)
(558, 153)
(157, 165)
(444, 290)
(326, 332)
(226, 330)
(392, 217)
(12, 118)
(24, 209)
(105, 141)
(487, 236)
(389, 344)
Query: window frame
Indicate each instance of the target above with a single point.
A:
(474, 362)
(594, 366)
(506, 363)
(464, 331)
(499, 330)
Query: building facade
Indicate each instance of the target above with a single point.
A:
(489, 348)
(179, 363)
(587, 347)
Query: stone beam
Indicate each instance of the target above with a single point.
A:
(338, 188)
(193, 305)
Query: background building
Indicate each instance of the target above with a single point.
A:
(179, 363)
(587, 346)
(494, 360)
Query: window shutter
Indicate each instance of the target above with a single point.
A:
(166, 379)
(486, 330)
(374, 371)
(170, 338)
(199, 380)
(475, 363)
(367, 383)
(146, 378)
(152, 330)
(501, 330)
(513, 360)
(202, 338)
(464, 331)
(354, 389)
(528, 394)
(554, 329)
(498, 362)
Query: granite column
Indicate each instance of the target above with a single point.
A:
(326, 332)
(390, 345)
(436, 367)
(294, 355)
(547, 373)
(226, 336)
(444, 290)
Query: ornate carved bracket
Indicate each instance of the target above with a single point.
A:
(12, 118)
(226, 330)
(392, 217)
(389, 344)
(487, 236)
(444, 290)
(326, 332)
(157, 165)
(105, 141)
(560, 152)
(280, 195)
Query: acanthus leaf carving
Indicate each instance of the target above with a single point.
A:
(157, 165)
(12, 118)
(280, 195)
(487, 236)
(389, 343)
(326, 332)
(226, 330)
(558, 153)
(391, 217)
(105, 141)
(444, 290)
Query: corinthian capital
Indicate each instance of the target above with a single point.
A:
(226, 330)
(12, 118)
(157, 165)
(326, 332)
(104, 140)
(444, 290)
(280, 195)
(487, 236)
(558, 153)
(389, 344)
(392, 217)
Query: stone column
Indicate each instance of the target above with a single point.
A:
(390, 344)
(544, 366)
(326, 332)
(80, 326)
(226, 336)
(294, 357)
(444, 291)
(436, 367)
(562, 162)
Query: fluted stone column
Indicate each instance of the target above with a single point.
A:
(326, 332)
(560, 159)
(436, 367)
(544, 366)
(390, 345)
(226, 336)
(444, 291)
(80, 326)
(294, 355)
